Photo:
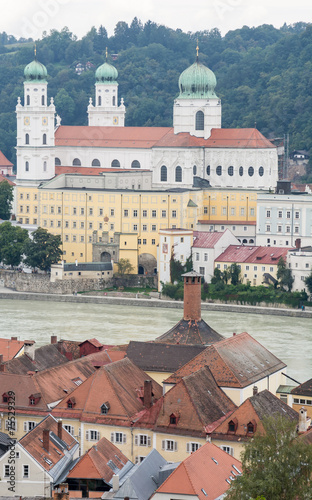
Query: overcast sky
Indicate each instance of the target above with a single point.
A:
(29, 18)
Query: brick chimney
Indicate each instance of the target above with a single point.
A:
(46, 439)
(60, 428)
(53, 339)
(61, 492)
(298, 243)
(254, 390)
(147, 398)
(192, 296)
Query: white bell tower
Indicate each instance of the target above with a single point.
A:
(35, 128)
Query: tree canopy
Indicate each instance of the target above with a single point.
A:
(276, 465)
(284, 275)
(12, 244)
(124, 267)
(43, 250)
(6, 198)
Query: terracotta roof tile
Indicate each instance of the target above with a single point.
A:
(47, 356)
(205, 239)
(4, 162)
(237, 361)
(10, 347)
(4, 178)
(23, 386)
(253, 254)
(205, 474)
(190, 332)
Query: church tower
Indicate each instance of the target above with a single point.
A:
(35, 128)
(197, 109)
(106, 112)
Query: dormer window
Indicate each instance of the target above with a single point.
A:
(105, 407)
(5, 398)
(173, 419)
(34, 399)
(71, 403)
(251, 427)
(232, 426)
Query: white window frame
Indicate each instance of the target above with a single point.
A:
(92, 435)
(192, 446)
(169, 445)
(142, 440)
(118, 438)
(26, 474)
(69, 428)
(228, 449)
(29, 425)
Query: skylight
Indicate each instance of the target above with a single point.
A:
(204, 492)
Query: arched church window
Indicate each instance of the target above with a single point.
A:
(57, 162)
(135, 164)
(219, 170)
(42, 100)
(163, 173)
(26, 138)
(250, 171)
(261, 171)
(99, 100)
(208, 169)
(194, 170)
(178, 174)
(28, 100)
(76, 162)
(231, 171)
(199, 121)
(115, 164)
(27, 166)
(114, 100)
(241, 171)
(96, 163)
(44, 139)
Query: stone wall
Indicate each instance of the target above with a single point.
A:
(40, 283)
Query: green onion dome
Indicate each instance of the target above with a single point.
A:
(35, 72)
(197, 81)
(106, 74)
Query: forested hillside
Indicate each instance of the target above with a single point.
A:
(264, 75)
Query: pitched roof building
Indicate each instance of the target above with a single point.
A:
(10, 348)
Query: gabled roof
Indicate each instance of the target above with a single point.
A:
(9, 348)
(23, 387)
(197, 402)
(249, 138)
(32, 442)
(141, 481)
(205, 239)
(46, 357)
(191, 333)
(234, 362)
(101, 461)
(254, 409)
(4, 162)
(94, 342)
(304, 389)
(206, 474)
(253, 255)
(155, 356)
(120, 384)
(236, 253)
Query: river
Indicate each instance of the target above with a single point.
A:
(290, 339)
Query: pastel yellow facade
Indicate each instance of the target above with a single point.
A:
(250, 271)
(131, 218)
(23, 424)
(234, 448)
(299, 402)
(159, 377)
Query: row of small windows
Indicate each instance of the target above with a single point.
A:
(28, 100)
(96, 163)
(100, 101)
(230, 171)
(44, 139)
(164, 174)
(44, 166)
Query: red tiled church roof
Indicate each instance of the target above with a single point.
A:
(4, 162)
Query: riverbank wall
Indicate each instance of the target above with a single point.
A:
(144, 302)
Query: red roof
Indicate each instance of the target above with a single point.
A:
(4, 162)
(205, 239)
(10, 347)
(207, 473)
(260, 255)
(92, 170)
(4, 178)
(148, 137)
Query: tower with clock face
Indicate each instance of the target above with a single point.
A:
(35, 128)
(106, 111)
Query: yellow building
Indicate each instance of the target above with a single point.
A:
(98, 223)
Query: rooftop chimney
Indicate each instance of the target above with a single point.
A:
(29, 348)
(53, 339)
(303, 422)
(60, 428)
(298, 243)
(46, 439)
(115, 482)
(254, 390)
(192, 296)
(147, 398)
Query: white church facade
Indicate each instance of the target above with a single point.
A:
(195, 147)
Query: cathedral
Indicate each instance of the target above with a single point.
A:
(195, 152)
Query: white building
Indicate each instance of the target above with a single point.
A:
(207, 247)
(284, 218)
(244, 231)
(196, 145)
(172, 242)
(299, 260)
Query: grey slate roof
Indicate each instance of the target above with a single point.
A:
(266, 404)
(46, 356)
(304, 389)
(89, 266)
(155, 356)
(190, 332)
(138, 484)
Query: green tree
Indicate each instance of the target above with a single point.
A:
(235, 273)
(124, 266)
(276, 464)
(284, 275)
(308, 282)
(217, 276)
(12, 243)
(6, 198)
(43, 250)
